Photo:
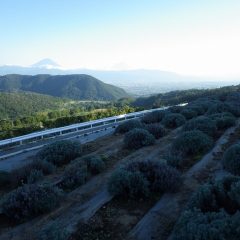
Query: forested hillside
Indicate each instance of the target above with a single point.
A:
(77, 86)
(25, 112)
(14, 105)
(176, 97)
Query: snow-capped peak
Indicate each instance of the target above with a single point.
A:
(46, 63)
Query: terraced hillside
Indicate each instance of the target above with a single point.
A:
(172, 175)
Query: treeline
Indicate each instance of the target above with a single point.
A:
(176, 97)
(13, 104)
(20, 126)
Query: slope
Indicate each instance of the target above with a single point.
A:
(77, 86)
(24, 104)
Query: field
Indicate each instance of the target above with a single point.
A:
(138, 183)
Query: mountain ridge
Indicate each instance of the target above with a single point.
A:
(138, 82)
(75, 86)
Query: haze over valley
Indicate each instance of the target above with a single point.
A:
(136, 82)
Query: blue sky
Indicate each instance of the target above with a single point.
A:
(199, 37)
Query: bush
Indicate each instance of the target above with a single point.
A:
(43, 165)
(231, 159)
(192, 143)
(218, 107)
(212, 212)
(138, 138)
(234, 108)
(61, 152)
(128, 184)
(140, 178)
(53, 232)
(95, 164)
(35, 175)
(4, 179)
(189, 113)
(173, 120)
(223, 120)
(204, 124)
(156, 129)
(154, 117)
(20, 176)
(127, 126)
(198, 108)
(29, 201)
(195, 225)
(75, 175)
(174, 159)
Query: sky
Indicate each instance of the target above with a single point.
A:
(190, 37)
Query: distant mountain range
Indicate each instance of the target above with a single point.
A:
(77, 86)
(138, 82)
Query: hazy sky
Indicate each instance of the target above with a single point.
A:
(200, 37)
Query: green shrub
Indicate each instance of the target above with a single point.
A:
(234, 108)
(192, 143)
(173, 120)
(75, 175)
(95, 164)
(43, 165)
(156, 129)
(34, 176)
(154, 117)
(204, 124)
(174, 159)
(80, 170)
(212, 212)
(29, 201)
(53, 232)
(223, 120)
(61, 152)
(128, 184)
(218, 107)
(198, 108)
(140, 178)
(189, 113)
(231, 159)
(20, 176)
(5, 178)
(138, 138)
(194, 225)
(128, 126)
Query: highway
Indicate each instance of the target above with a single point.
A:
(25, 147)
(25, 154)
(78, 127)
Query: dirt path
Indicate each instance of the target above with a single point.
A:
(110, 212)
(159, 221)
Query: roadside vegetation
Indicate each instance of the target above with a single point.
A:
(121, 177)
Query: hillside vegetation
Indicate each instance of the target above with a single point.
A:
(173, 174)
(78, 86)
(14, 105)
(25, 112)
(176, 97)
